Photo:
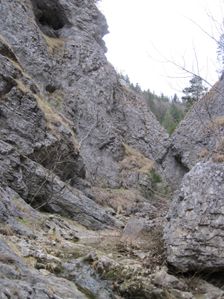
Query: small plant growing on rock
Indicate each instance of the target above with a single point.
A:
(155, 177)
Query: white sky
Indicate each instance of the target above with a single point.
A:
(146, 34)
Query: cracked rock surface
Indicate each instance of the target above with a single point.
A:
(195, 229)
(85, 167)
(59, 44)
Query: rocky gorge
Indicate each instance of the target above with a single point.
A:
(97, 200)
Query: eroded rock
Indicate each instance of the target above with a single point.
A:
(42, 189)
(194, 233)
(66, 59)
(199, 136)
(18, 281)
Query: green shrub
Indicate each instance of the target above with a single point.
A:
(154, 177)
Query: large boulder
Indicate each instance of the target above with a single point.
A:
(194, 234)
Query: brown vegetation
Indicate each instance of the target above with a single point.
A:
(134, 160)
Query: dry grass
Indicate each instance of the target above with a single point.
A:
(30, 261)
(56, 99)
(21, 205)
(53, 118)
(219, 121)
(54, 45)
(203, 153)
(6, 230)
(136, 161)
(14, 247)
(5, 259)
(218, 155)
(220, 146)
(218, 158)
(216, 124)
(118, 199)
(22, 87)
(51, 115)
(18, 66)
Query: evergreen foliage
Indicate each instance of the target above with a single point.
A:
(194, 92)
(169, 112)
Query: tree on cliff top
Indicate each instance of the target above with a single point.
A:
(194, 92)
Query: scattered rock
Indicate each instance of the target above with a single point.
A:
(17, 281)
(165, 280)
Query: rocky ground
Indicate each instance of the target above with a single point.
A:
(50, 256)
(87, 174)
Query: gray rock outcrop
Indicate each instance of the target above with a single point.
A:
(200, 135)
(194, 234)
(43, 190)
(60, 47)
(18, 281)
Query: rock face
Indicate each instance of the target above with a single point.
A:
(60, 46)
(64, 116)
(201, 132)
(18, 281)
(194, 234)
(42, 189)
(79, 155)
(198, 137)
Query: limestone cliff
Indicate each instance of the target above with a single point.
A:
(83, 197)
(194, 232)
(200, 135)
(59, 45)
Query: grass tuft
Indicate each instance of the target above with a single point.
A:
(55, 45)
(134, 160)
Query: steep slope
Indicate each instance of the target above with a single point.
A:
(194, 230)
(200, 135)
(36, 146)
(80, 157)
(59, 44)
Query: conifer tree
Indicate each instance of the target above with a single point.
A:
(194, 92)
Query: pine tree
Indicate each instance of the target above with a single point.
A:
(175, 99)
(194, 92)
